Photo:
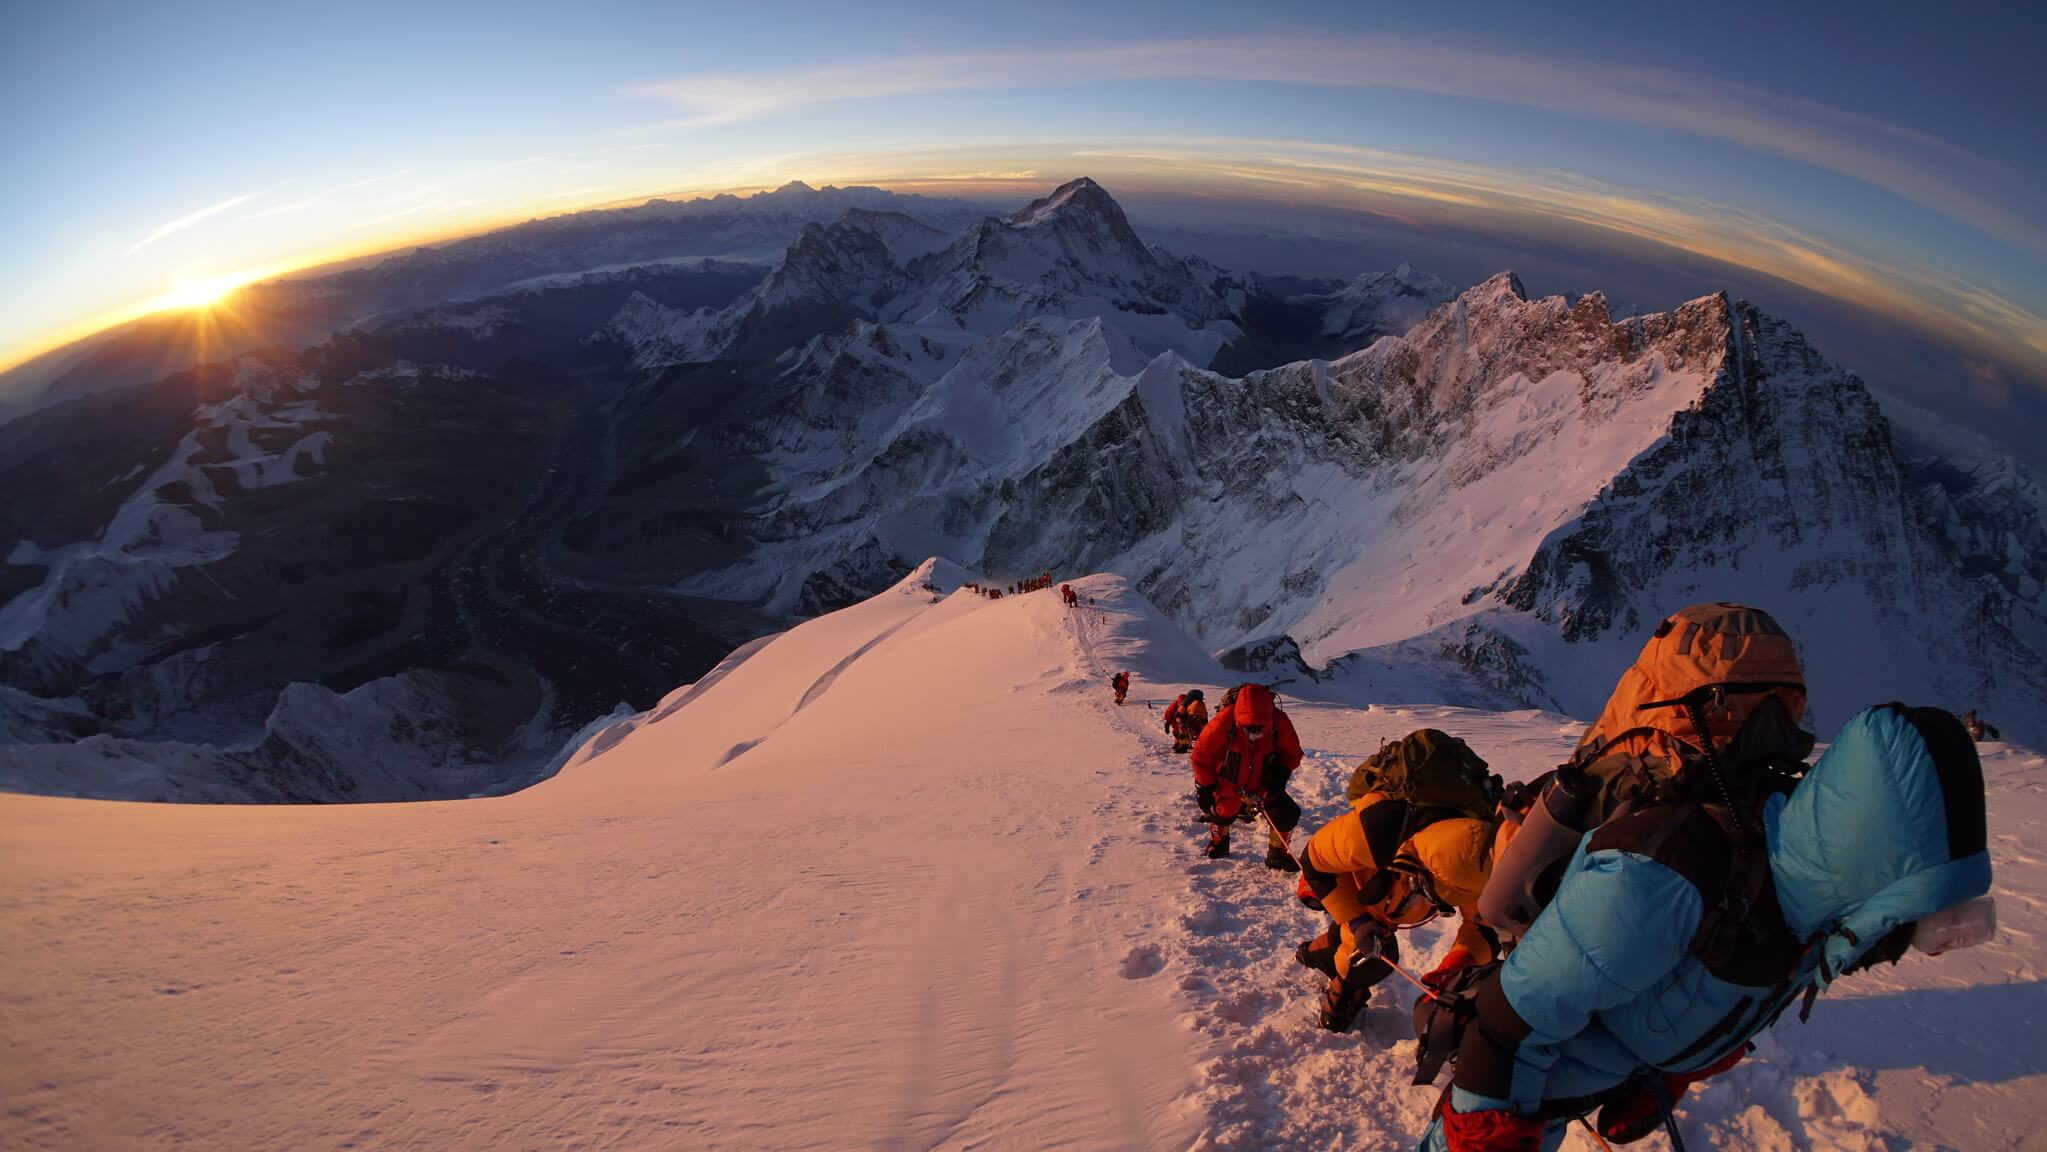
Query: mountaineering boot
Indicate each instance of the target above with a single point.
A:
(1218, 842)
(1278, 859)
(1347, 994)
(1319, 954)
(1345, 997)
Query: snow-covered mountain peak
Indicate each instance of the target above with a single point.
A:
(1087, 223)
(1075, 199)
(792, 192)
(1070, 255)
(844, 262)
(1491, 342)
(1506, 282)
(1073, 254)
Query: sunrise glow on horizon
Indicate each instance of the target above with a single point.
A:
(1500, 130)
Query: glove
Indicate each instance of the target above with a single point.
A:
(1491, 1130)
(1204, 795)
(1307, 894)
(1367, 936)
(1458, 960)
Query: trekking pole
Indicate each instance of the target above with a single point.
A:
(1661, 1091)
(1285, 844)
(1427, 992)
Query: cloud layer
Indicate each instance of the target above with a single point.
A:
(186, 221)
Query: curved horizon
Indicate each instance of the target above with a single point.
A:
(1609, 152)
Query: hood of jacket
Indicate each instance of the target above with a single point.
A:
(1253, 705)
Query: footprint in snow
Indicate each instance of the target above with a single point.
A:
(1143, 961)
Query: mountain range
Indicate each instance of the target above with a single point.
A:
(446, 540)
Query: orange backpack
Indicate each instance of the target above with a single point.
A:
(1693, 699)
(1698, 678)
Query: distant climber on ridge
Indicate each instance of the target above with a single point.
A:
(1186, 716)
(1242, 763)
(1979, 729)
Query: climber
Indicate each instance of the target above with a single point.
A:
(1067, 594)
(1416, 844)
(1186, 716)
(1681, 929)
(1242, 763)
(1979, 729)
(1121, 683)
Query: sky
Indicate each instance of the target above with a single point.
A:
(1874, 161)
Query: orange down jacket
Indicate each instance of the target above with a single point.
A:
(1226, 759)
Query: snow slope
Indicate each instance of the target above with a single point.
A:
(899, 877)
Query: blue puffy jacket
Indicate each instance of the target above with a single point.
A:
(1605, 983)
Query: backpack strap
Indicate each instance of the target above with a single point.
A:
(1681, 837)
(1741, 937)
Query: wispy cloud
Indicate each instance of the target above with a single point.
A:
(990, 177)
(1924, 169)
(426, 200)
(609, 150)
(184, 222)
(325, 195)
(579, 193)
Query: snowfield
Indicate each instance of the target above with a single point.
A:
(900, 877)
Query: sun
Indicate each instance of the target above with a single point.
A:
(203, 292)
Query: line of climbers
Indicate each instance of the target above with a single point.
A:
(1038, 583)
(1629, 921)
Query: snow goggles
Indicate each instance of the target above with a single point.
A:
(1418, 903)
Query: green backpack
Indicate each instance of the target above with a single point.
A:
(1228, 701)
(1429, 768)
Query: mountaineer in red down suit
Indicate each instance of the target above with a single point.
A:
(1242, 763)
